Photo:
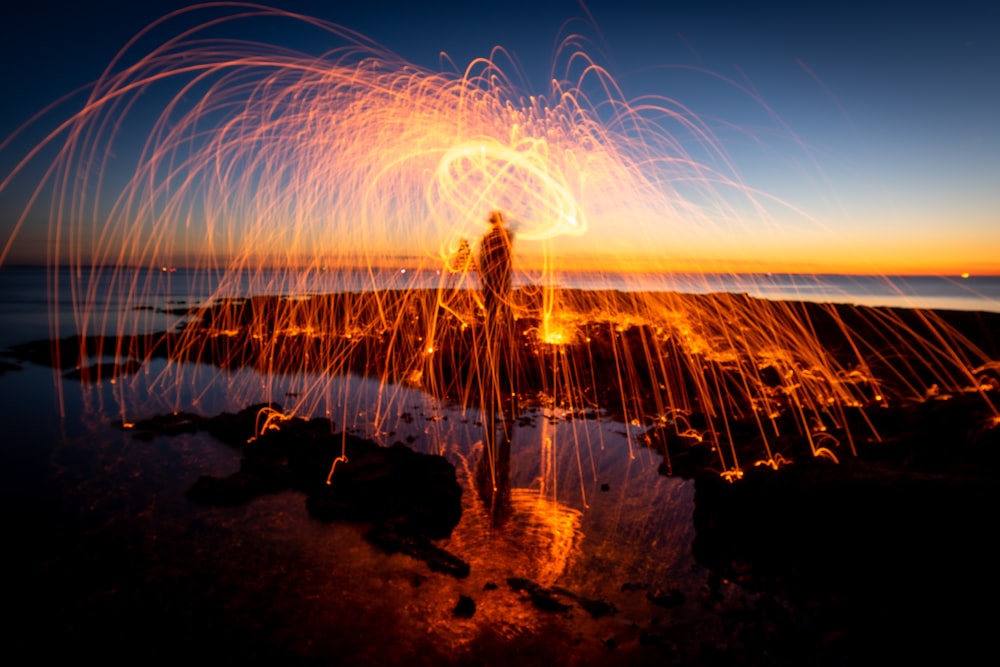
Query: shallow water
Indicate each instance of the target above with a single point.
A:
(113, 558)
(110, 558)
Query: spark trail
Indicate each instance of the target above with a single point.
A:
(319, 204)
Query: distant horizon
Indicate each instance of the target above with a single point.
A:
(409, 266)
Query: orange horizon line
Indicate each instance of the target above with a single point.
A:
(412, 264)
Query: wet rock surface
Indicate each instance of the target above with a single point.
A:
(885, 557)
(856, 561)
(409, 498)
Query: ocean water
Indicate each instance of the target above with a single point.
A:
(975, 293)
(37, 303)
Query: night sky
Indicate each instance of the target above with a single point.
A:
(879, 123)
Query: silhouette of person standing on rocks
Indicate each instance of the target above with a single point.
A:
(493, 473)
(495, 272)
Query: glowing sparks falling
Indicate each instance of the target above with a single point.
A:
(267, 167)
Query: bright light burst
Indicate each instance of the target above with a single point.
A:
(286, 176)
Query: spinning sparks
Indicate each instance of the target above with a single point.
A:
(326, 211)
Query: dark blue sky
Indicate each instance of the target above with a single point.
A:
(895, 105)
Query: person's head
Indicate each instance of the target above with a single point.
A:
(496, 218)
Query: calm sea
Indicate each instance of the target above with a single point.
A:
(36, 304)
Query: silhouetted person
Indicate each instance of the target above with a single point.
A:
(495, 271)
(493, 474)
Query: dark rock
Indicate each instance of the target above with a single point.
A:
(541, 598)
(419, 547)
(408, 497)
(596, 608)
(546, 599)
(892, 557)
(416, 493)
(671, 598)
(630, 586)
(465, 608)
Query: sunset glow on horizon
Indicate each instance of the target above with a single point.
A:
(249, 152)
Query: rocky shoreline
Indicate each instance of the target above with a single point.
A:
(887, 554)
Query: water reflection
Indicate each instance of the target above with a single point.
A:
(265, 575)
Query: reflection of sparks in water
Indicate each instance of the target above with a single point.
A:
(268, 167)
(538, 540)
